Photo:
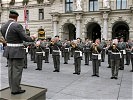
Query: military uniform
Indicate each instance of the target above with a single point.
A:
(66, 50)
(39, 57)
(87, 53)
(14, 52)
(96, 57)
(122, 47)
(56, 55)
(115, 60)
(128, 53)
(103, 46)
(32, 51)
(26, 52)
(46, 49)
(131, 60)
(77, 58)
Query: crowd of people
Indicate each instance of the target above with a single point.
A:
(116, 49)
(16, 50)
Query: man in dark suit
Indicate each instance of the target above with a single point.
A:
(14, 35)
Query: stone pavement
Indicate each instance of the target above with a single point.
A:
(66, 85)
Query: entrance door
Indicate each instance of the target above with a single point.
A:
(69, 31)
(93, 31)
(120, 29)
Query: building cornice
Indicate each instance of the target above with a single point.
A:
(28, 6)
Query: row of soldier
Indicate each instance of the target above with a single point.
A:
(95, 52)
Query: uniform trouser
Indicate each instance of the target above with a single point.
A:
(35, 57)
(39, 61)
(32, 54)
(132, 62)
(66, 57)
(62, 53)
(69, 55)
(115, 67)
(56, 60)
(122, 62)
(90, 56)
(103, 56)
(46, 56)
(128, 58)
(95, 65)
(86, 57)
(72, 53)
(77, 63)
(25, 61)
(15, 69)
(109, 62)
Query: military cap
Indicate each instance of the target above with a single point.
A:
(14, 12)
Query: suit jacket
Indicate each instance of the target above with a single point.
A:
(16, 34)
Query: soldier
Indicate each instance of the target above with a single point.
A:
(115, 59)
(103, 46)
(77, 47)
(132, 58)
(26, 44)
(96, 57)
(14, 34)
(66, 50)
(128, 51)
(32, 51)
(87, 45)
(109, 53)
(56, 45)
(45, 46)
(122, 46)
(39, 55)
(71, 50)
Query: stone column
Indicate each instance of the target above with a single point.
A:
(105, 26)
(78, 24)
(78, 30)
(55, 27)
(55, 18)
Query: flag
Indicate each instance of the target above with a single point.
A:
(25, 17)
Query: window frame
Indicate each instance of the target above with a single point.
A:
(41, 14)
(69, 3)
(121, 5)
(94, 9)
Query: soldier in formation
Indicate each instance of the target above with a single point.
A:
(77, 47)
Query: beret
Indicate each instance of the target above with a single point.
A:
(14, 12)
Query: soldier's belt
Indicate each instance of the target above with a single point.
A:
(77, 51)
(95, 54)
(124, 52)
(115, 53)
(15, 45)
(39, 52)
(56, 50)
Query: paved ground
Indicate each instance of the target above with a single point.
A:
(65, 85)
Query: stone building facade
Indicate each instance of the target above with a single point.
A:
(97, 18)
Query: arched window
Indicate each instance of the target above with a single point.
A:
(68, 5)
(121, 4)
(93, 5)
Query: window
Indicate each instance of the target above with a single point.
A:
(27, 14)
(121, 4)
(93, 5)
(41, 14)
(68, 5)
